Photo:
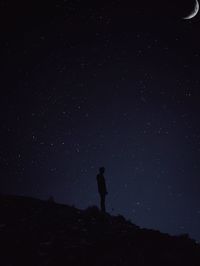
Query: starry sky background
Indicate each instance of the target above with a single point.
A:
(93, 84)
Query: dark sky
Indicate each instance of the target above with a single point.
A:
(86, 84)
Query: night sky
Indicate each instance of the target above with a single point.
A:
(86, 84)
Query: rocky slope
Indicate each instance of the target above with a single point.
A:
(44, 233)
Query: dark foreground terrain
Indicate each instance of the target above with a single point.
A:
(35, 232)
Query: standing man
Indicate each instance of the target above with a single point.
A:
(102, 188)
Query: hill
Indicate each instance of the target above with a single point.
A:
(44, 233)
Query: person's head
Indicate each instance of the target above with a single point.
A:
(102, 170)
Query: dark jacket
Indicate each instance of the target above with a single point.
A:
(101, 184)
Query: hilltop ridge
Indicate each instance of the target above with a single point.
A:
(36, 232)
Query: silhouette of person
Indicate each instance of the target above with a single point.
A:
(102, 188)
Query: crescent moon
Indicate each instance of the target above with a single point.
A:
(194, 12)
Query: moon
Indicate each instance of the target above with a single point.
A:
(194, 12)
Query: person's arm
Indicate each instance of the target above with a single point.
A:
(105, 186)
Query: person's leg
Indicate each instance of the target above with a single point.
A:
(103, 207)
